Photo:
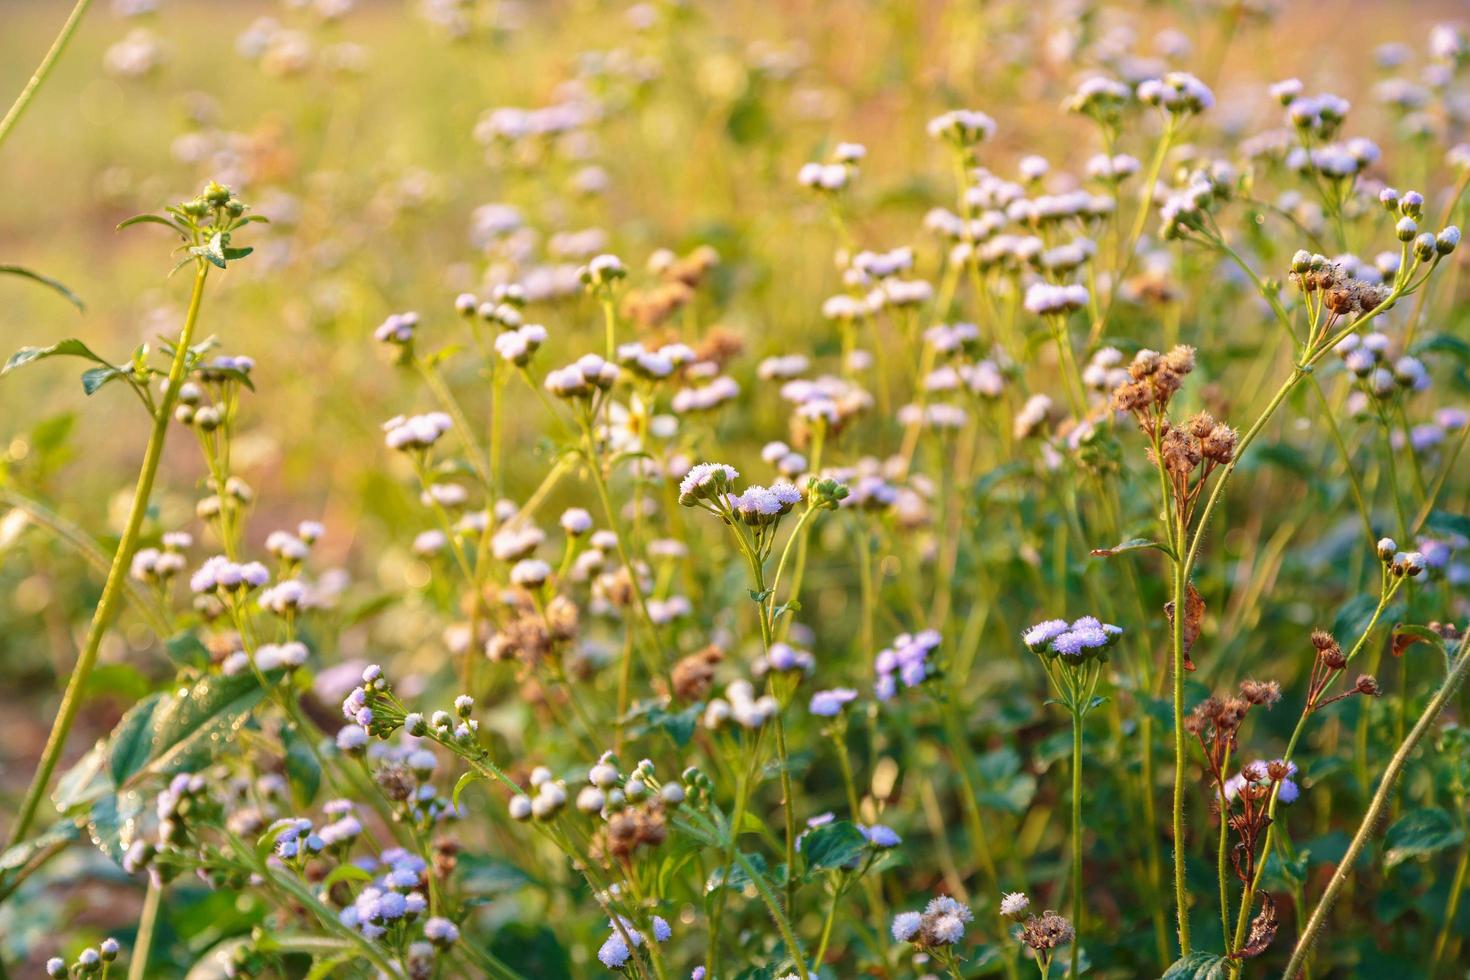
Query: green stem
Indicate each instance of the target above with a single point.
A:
(1457, 888)
(1076, 837)
(112, 591)
(147, 926)
(1375, 809)
(23, 100)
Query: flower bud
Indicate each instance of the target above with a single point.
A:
(1406, 229)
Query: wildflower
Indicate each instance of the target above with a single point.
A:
(1013, 904)
(942, 923)
(1044, 299)
(416, 432)
(830, 703)
(705, 482)
(441, 932)
(906, 660)
(1177, 93)
(962, 128)
(880, 835)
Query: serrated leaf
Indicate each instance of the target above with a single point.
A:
(71, 347)
(1418, 834)
(1134, 544)
(1199, 966)
(186, 726)
(832, 846)
(47, 281)
(131, 740)
(738, 877)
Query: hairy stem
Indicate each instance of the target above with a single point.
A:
(1376, 808)
(112, 591)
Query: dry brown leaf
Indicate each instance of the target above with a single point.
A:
(1263, 930)
(1194, 618)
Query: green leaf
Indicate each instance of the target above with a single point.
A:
(132, 740)
(15, 859)
(186, 650)
(737, 879)
(1443, 522)
(303, 771)
(71, 347)
(461, 784)
(1419, 834)
(1133, 544)
(23, 272)
(836, 845)
(115, 822)
(531, 950)
(345, 872)
(183, 728)
(1199, 966)
(95, 378)
(149, 219)
(482, 875)
(84, 782)
(1353, 617)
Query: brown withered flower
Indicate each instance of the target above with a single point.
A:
(1047, 931)
(693, 675)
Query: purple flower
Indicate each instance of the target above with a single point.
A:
(881, 835)
(829, 704)
(1043, 633)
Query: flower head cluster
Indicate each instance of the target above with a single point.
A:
(519, 345)
(582, 379)
(741, 706)
(836, 172)
(615, 952)
(907, 660)
(219, 575)
(416, 432)
(158, 565)
(1083, 639)
(942, 923)
(962, 128)
(1177, 93)
(1259, 777)
(1045, 299)
(397, 329)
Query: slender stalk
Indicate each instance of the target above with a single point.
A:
(112, 591)
(1076, 836)
(1457, 888)
(147, 926)
(23, 100)
(1376, 809)
(1181, 889)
